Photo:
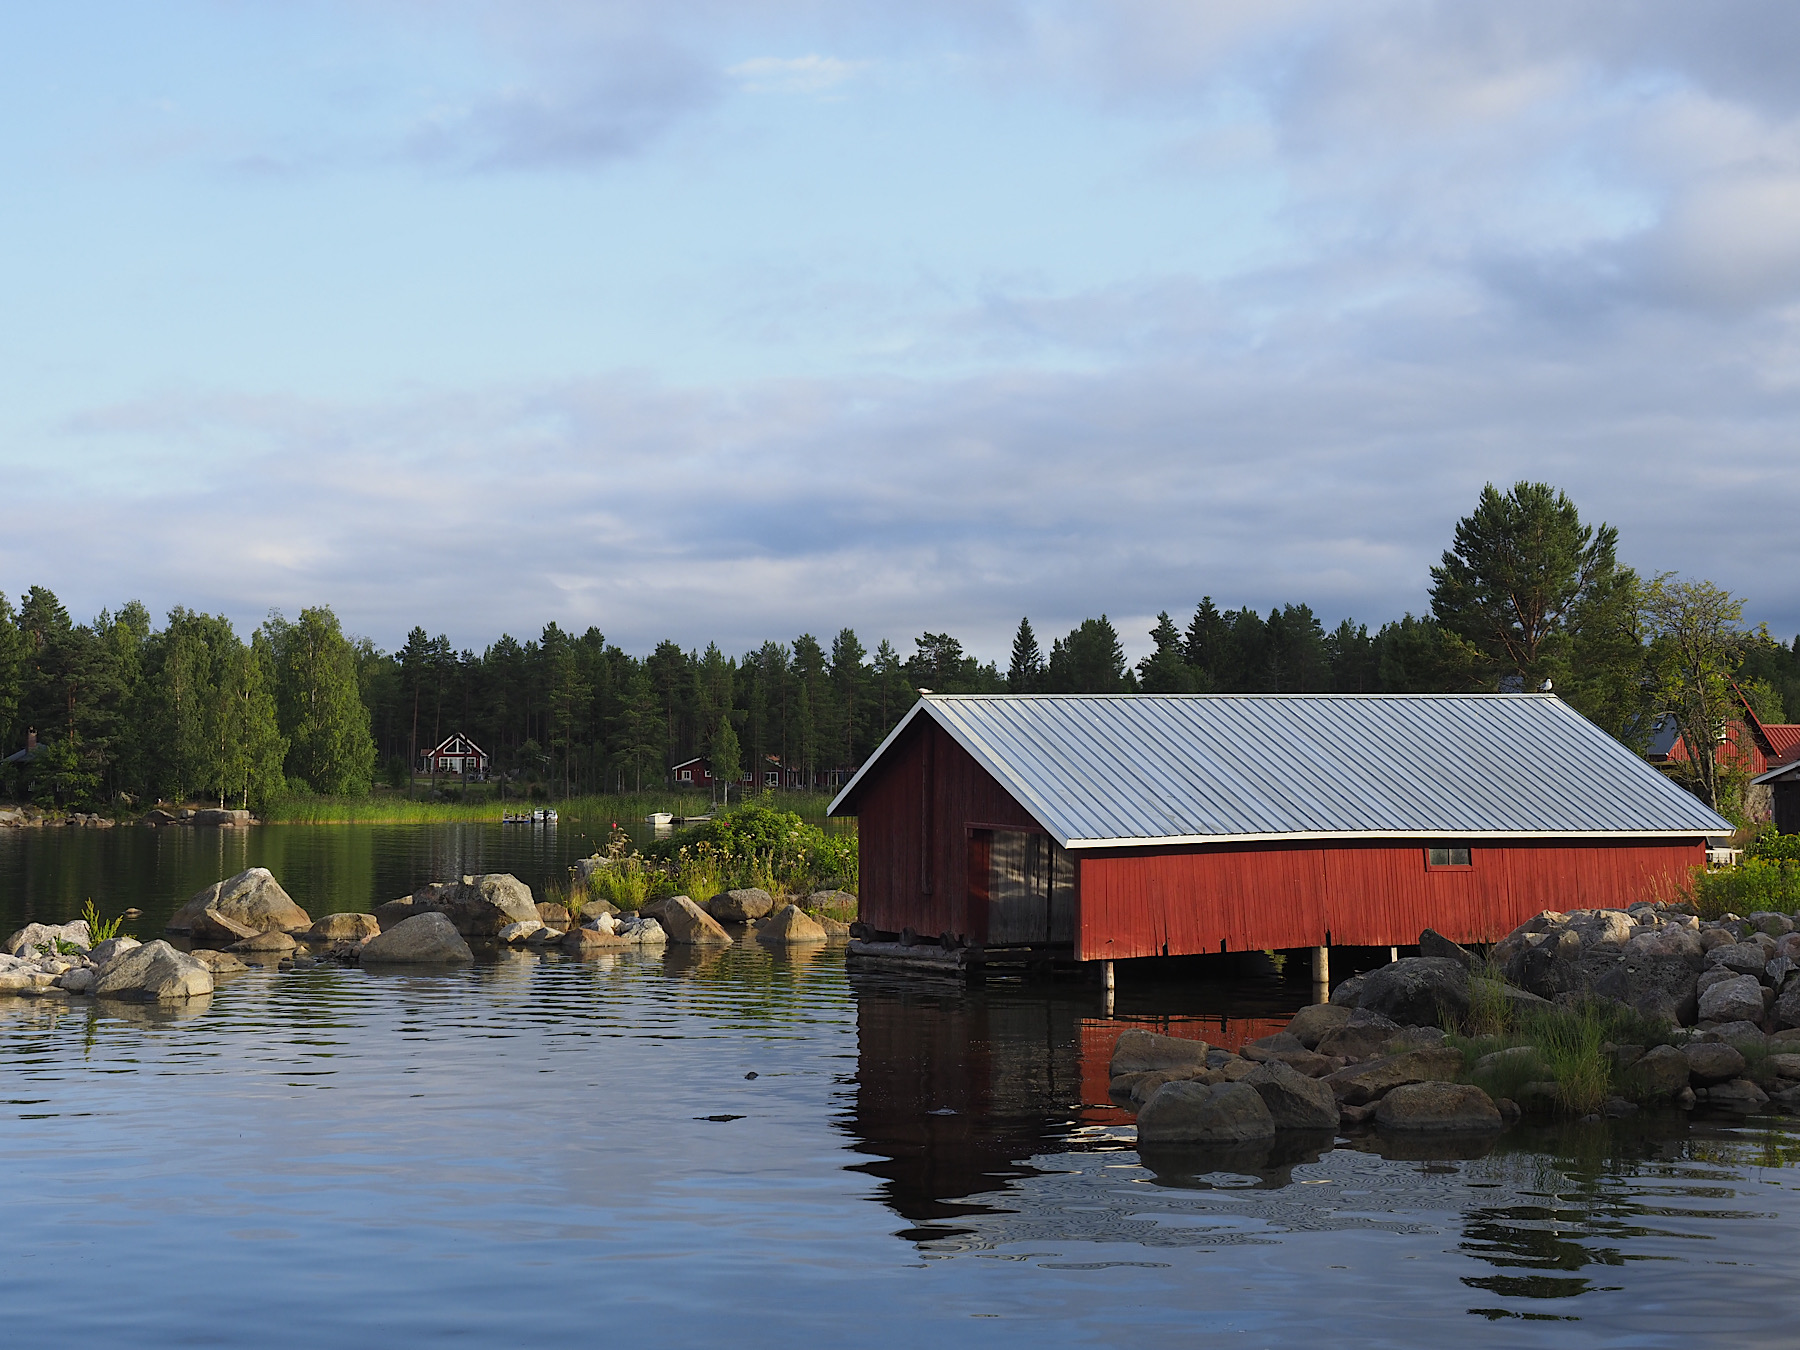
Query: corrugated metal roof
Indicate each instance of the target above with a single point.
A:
(1120, 769)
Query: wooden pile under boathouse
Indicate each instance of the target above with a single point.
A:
(1094, 828)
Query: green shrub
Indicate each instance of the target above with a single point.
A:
(1774, 847)
(1757, 883)
(99, 929)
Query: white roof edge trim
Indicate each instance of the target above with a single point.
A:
(1075, 845)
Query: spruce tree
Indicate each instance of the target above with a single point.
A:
(1026, 673)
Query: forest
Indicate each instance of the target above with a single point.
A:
(125, 711)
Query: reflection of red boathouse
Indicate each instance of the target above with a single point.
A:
(1102, 827)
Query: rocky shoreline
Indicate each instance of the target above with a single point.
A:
(249, 919)
(1405, 1048)
(36, 817)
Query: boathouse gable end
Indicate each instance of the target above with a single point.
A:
(1189, 824)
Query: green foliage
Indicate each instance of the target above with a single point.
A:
(1490, 1010)
(1774, 846)
(758, 845)
(1568, 1047)
(1026, 670)
(1089, 660)
(99, 929)
(319, 700)
(1695, 629)
(1755, 884)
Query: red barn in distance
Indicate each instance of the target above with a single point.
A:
(1100, 827)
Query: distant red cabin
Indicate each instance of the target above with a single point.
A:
(457, 754)
(1164, 825)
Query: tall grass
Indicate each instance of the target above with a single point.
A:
(1567, 1046)
(384, 809)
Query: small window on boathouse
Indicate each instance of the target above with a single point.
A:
(1447, 857)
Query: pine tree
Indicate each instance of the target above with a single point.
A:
(1165, 670)
(1026, 673)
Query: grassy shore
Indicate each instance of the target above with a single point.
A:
(627, 809)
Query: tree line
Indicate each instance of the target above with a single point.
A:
(1526, 593)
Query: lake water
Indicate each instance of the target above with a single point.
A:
(751, 1148)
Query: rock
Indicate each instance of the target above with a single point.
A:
(1267, 1047)
(1360, 1083)
(1295, 1102)
(218, 963)
(32, 936)
(834, 928)
(1712, 1063)
(1739, 1094)
(1233, 1070)
(252, 897)
(1523, 1058)
(1418, 991)
(1142, 1086)
(1362, 1034)
(1655, 974)
(1661, 1072)
(1139, 1051)
(154, 973)
(264, 943)
(1548, 921)
(1784, 1066)
(838, 900)
(743, 906)
(1347, 993)
(554, 916)
(345, 927)
(156, 816)
(790, 924)
(1787, 1100)
(216, 816)
(1745, 1036)
(642, 932)
(1548, 966)
(1745, 958)
(1439, 1108)
(1601, 927)
(429, 938)
(523, 931)
(582, 939)
(1196, 1113)
(478, 906)
(685, 922)
(213, 929)
(1739, 999)
(1787, 1006)
(1309, 1024)
(1434, 944)
(106, 951)
(80, 980)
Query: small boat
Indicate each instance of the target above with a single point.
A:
(541, 816)
(661, 819)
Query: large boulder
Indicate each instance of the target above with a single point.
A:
(1295, 1101)
(741, 906)
(214, 815)
(154, 973)
(218, 963)
(347, 927)
(1418, 991)
(1361, 1034)
(103, 954)
(1434, 943)
(1200, 1113)
(1310, 1024)
(1787, 1006)
(1601, 927)
(790, 924)
(479, 906)
(583, 940)
(1738, 999)
(213, 929)
(1711, 1062)
(430, 938)
(1655, 974)
(1139, 1051)
(264, 944)
(33, 936)
(1548, 964)
(1744, 958)
(1662, 1071)
(685, 922)
(1438, 1108)
(641, 931)
(1359, 1084)
(554, 916)
(253, 898)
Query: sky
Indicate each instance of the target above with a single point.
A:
(732, 321)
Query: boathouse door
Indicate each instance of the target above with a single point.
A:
(1030, 887)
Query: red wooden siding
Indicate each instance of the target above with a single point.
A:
(914, 820)
(1155, 902)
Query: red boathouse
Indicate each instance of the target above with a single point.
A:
(1100, 827)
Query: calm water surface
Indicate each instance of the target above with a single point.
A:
(746, 1148)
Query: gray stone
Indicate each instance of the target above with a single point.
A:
(218, 963)
(642, 932)
(213, 929)
(1347, 993)
(790, 924)
(1523, 1058)
(32, 936)
(1712, 1063)
(1548, 966)
(424, 939)
(1295, 1101)
(1745, 958)
(1362, 1083)
(1418, 991)
(1739, 999)
(741, 906)
(1362, 1034)
(214, 815)
(1139, 1051)
(1434, 943)
(154, 973)
(1743, 1034)
(523, 931)
(553, 915)
(478, 906)
(1439, 1108)
(265, 943)
(685, 922)
(253, 897)
(583, 940)
(1196, 1113)
(107, 950)
(80, 980)
(1311, 1023)
(1739, 1094)
(1661, 1072)
(1784, 1066)
(346, 927)
(1775, 925)
(1601, 927)
(1787, 1006)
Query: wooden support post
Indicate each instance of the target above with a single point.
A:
(1393, 955)
(1321, 973)
(1106, 982)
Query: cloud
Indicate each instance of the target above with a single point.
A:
(811, 74)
